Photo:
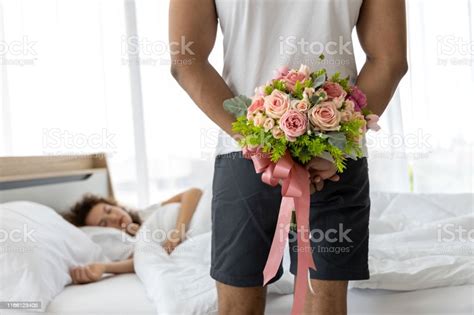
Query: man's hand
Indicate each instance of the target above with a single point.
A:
(321, 169)
(87, 274)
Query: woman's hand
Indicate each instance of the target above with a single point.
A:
(172, 241)
(170, 245)
(321, 169)
(87, 274)
(131, 229)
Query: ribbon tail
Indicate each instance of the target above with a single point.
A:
(279, 240)
(305, 257)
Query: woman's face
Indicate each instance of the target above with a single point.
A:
(103, 214)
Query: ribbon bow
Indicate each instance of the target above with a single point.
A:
(295, 195)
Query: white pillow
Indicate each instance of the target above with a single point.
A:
(116, 244)
(37, 249)
(201, 221)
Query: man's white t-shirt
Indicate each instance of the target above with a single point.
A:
(263, 35)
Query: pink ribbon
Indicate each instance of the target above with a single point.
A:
(295, 194)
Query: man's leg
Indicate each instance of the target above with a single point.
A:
(330, 297)
(244, 217)
(239, 301)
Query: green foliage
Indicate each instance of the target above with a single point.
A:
(344, 82)
(237, 106)
(298, 91)
(279, 85)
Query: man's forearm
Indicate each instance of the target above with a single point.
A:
(208, 90)
(379, 81)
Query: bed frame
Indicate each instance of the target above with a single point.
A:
(55, 181)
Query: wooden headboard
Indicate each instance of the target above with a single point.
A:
(55, 181)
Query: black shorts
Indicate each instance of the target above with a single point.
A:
(245, 214)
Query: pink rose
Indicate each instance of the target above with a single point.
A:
(260, 91)
(334, 90)
(292, 77)
(348, 111)
(321, 93)
(293, 124)
(276, 104)
(259, 119)
(358, 97)
(301, 105)
(281, 73)
(268, 124)
(256, 106)
(277, 132)
(325, 116)
(372, 122)
(308, 93)
(305, 71)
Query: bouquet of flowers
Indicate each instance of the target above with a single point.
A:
(306, 114)
(293, 118)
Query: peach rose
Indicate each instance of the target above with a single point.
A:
(294, 124)
(325, 116)
(277, 132)
(301, 105)
(292, 77)
(334, 90)
(259, 119)
(281, 72)
(348, 111)
(268, 124)
(276, 104)
(256, 106)
(308, 93)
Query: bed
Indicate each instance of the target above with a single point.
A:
(43, 179)
(125, 294)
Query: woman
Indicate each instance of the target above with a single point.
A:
(97, 211)
(260, 36)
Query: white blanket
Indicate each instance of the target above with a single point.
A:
(180, 283)
(420, 241)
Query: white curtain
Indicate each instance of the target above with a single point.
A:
(426, 144)
(68, 86)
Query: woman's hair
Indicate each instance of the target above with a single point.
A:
(78, 213)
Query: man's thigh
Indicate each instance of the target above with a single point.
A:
(244, 217)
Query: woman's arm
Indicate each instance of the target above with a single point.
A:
(382, 33)
(94, 272)
(195, 22)
(189, 201)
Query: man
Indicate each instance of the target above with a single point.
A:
(259, 36)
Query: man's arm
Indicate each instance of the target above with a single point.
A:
(382, 33)
(196, 22)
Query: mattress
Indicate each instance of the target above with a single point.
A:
(124, 294)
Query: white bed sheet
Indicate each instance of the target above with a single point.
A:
(448, 300)
(125, 294)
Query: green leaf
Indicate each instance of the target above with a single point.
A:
(237, 106)
(337, 139)
(319, 81)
